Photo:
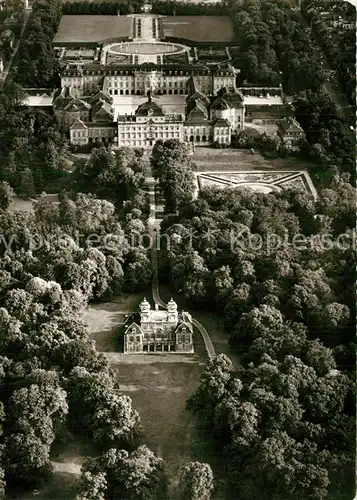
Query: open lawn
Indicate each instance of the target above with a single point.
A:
(67, 459)
(159, 392)
(240, 159)
(19, 204)
(158, 384)
(88, 28)
(104, 318)
(199, 28)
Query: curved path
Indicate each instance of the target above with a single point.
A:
(154, 227)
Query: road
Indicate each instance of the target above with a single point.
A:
(154, 227)
(331, 86)
(13, 55)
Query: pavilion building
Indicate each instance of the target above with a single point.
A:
(154, 330)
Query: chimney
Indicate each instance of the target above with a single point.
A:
(149, 95)
(156, 307)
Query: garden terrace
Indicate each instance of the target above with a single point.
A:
(178, 59)
(210, 54)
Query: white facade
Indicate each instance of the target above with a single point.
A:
(235, 116)
(159, 331)
(144, 133)
(85, 81)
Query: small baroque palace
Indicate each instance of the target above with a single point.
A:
(153, 330)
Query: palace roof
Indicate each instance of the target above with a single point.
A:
(149, 108)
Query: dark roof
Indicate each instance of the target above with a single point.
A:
(289, 124)
(220, 103)
(185, 324)
(227, 70)
(101, 95)
(172, 118)
(65, 97)
(221, 122)
(199, 95)
(233, 98)
(228, 98)
(102, 111)
(197, 121)
(130, 69)
(78, 124)
(108, 124)
(196, 105)
(149, 108)
(77, 105)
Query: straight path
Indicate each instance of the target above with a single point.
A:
(115, 358)
(154, 227)
(332, 86)
(148, 32)
(13, 55)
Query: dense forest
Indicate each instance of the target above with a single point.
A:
(54, 384)
(339, 45)
(38, 66)
(173, 8)
(32, 148)
(279, 268)
(275, 43)
(103, 8)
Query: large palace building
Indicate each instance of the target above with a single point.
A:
(212, 109)
(205, 120)
(159, 331)
(148, 84)
(133, 79)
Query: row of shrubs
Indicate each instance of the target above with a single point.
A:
(136, 6)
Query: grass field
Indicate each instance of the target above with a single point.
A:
(199, 28)
(159, 392)
(88, 28)
(103, 319)
(241, 159)
(19, 204)
(159, 385)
